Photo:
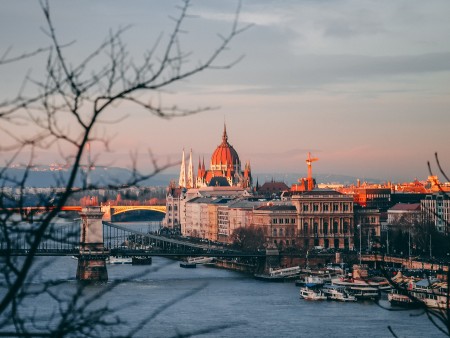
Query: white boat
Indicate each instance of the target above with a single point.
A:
(338, 293)
(119, 260)
(311, 294)
(200, 260)
(280, 275)
(314, 279)
(359, 288)
(430, 293)
(364, 292)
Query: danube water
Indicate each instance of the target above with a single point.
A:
(220, 303)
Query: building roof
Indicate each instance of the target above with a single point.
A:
(210, 200)
(321, 192)
(225, 153)
(406, 207)
(273, 187)
(219, 181)
(277, 207)
(245, 204)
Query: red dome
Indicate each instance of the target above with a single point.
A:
(225, 156)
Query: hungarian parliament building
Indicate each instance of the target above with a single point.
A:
(223, 198)
(217, 201)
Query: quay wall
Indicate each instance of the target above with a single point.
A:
(236, 266)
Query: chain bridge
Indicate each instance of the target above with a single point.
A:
(92, 240)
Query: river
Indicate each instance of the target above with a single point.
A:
(250, 308)
(218, 303)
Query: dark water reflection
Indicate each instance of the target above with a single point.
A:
(252, 308)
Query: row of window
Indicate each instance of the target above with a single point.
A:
(325, 207)
(286, 242)
(283, 221)
(175, 207)
(283, 232)
(325, 228)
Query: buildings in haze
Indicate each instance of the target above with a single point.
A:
(221, 199)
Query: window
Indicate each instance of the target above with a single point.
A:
(281, 221)
(345, 207)
(325, 207)
(336, 243)
(170, 207)
(286, 220)
(315, 226)
(305, 228)
(315, 207)
(335, 227)
(292, 220)
(280, 232)
(305, 207)
(275, 233)
(274, 221)
(325, 227)
(175, 207)
(345, 227)
(335, 207)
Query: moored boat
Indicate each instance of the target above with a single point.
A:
(428, 292)
(337, 293)
(311, 294)
(119, 260)
(318, 279)
(280, 275)
(188, 265)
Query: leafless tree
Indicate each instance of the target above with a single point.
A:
(62, 112)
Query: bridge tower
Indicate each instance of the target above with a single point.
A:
(91, 260)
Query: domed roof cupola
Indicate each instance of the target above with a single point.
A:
(225, 157)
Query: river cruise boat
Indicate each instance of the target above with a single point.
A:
(361, 289)
(119, 260)
(428, 292)
(315, 277)
(280, 275)
(337, 293)
(311, 294)
(201, 260)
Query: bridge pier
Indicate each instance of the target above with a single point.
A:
(272, 259)
(92, 257)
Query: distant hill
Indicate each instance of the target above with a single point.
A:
(43, 177)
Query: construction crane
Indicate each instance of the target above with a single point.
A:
(309, 161)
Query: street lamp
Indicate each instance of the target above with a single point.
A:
(359, 226)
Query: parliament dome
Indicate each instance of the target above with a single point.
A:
(225, 157)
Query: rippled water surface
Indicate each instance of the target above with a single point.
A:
(206, 299)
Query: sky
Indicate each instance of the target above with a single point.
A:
(362, 85)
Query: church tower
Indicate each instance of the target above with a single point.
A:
(182, 180)
(190, 176)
